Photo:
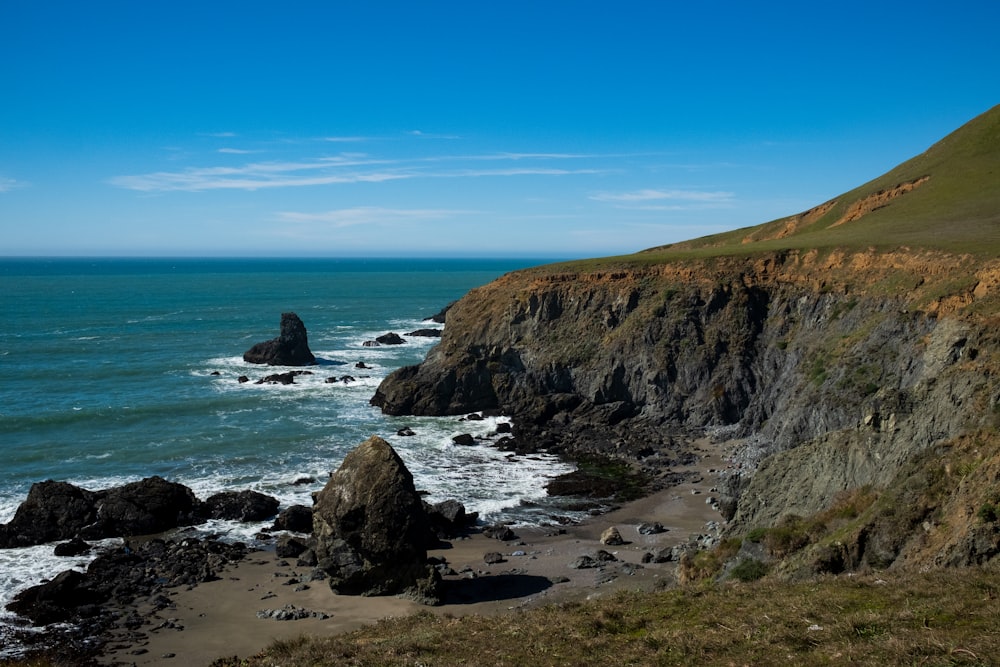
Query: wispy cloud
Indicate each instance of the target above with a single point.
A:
(650, 195)
(341, 169)
(8, 184)
(431, 135)
(345, 140)
(367, 215)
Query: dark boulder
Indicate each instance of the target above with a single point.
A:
(52, 511)
(297, 518)
(282, 378)
(390, 339)
(290, 348)
(371, 529)
(61, 511)
(464, 439)
(119, 576)
(426, 333)
(449, 518)
(74, 547)
(289, 546)
(149, 506)
(240, 506)
(54, 601)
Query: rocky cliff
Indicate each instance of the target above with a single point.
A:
(834, 356)
(831, 369)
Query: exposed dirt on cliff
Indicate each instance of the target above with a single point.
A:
(878, 200)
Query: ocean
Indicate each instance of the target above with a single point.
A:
(112, 370)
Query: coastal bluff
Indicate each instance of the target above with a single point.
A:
(831, 370)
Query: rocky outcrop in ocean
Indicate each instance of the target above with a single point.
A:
(62, 511)
(290, 348)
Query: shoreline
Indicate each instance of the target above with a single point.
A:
(219, 618)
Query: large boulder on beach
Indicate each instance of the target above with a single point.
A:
(290, 348)
(370, 527)
(60, 511)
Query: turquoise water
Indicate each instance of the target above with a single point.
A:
(112, 370)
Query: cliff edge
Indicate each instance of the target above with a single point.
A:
(833, 354)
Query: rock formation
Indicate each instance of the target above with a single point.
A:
(370, 527)
(830, 380)
(60, 511)
(290, 348)
(240, 506)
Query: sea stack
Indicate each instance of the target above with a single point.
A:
(290, 348)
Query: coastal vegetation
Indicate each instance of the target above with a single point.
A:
(942, 617)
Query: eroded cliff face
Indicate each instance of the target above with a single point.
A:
(834, 368)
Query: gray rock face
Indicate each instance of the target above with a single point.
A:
(832, 384)
(370, 527)
(290, 348)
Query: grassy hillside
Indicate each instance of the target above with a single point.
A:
(945, 199)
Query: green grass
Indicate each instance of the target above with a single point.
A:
(957, 210)
(945, 617)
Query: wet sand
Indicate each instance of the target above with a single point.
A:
(219, 618)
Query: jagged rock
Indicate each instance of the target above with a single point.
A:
(612, 537)
(390, 339)
(449, 519)
(59, 511)
(282, 378)
(240, 506)
(464, 439)
(297, 518)
(290, 613)
(654, 528)
(441, 315)
(428, 333)
(289, 546)
(493, 557)
(597, 559)
(119, 575)
(74, 547)
(499, 532)
(290, 348)
(52, 511)
(406, 432)
(371, 529)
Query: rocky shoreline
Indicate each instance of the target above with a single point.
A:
(127, 599)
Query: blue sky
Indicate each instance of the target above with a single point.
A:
(545, 128)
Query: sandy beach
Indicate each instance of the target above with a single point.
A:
(219, 618)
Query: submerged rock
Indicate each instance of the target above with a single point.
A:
(290, 348)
